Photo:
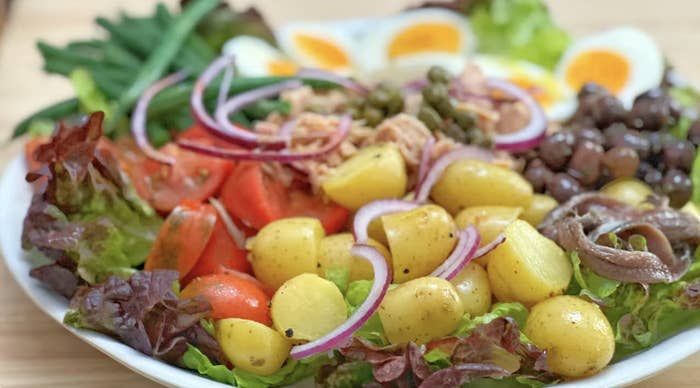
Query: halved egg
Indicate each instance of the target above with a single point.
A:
(414, 40)
(555, 97)
(255, 57)
(626, 61)
(318, 45)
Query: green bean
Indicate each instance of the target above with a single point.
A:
(194, 42)
(48, 51)
(159, 60)
(262, 108)
(53, 112)
(128, 39)
(119, 56)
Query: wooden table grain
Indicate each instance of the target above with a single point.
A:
(37, 352)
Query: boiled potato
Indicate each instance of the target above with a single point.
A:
(474, 290)
(692, 209)
(373, 173)
(286, 248)
(420, 310)
(307, 307)
(577, 336)
(375, 230)
(475, 183)
(419, 240)
(252, 346)
(540, 206)
(335, 252)
(490, 221)
(527, 267)
(628, 190)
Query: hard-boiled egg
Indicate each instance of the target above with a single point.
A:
(557, 99)
(318, 45)
(413, 41)
(624, 60)
(255, 57)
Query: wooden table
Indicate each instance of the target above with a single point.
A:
(37, 352)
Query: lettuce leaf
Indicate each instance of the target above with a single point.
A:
(372, 330)
(292, 371)
(89, 95)
(340, 276)
(519, 29)
(87, 216)
(512, 309)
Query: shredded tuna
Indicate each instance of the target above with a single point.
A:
(306, 99)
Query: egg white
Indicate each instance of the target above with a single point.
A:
(638, 48)
(252, 55)
(341, 38)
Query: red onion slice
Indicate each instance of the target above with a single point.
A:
(287, 129)
(225, 85)
(284, 155)
(529, 135)
(462, 254)
(347, 83)
(236, 234)
(425, 160)
(238, 102)
(500, 239)
(382, 279)
(374, 209)
(435, 172)
(140, 114)
(199, 111)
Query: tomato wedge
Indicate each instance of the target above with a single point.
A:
(256, 199)
(193, 176)
(220, 255)
(182, 238)
(231, 296)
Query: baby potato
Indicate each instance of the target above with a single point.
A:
(576, 334)
(252, 346)
(474, 290)
(420, 310)
(540, 206)
(373, 173)
(307, 307)
(628, 190)
(419, 240)
(527, 267)
(475, 183)
(335, 252)
(286, 248)
(490, 221)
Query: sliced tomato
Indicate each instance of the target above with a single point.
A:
(193, 176)
(231, 296)
(220, 255)
(257, 199)
(182, 238)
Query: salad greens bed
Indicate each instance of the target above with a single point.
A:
(90, 233)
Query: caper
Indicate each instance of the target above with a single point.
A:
(438, 74)
(455, 132)
(465, 119)
(372, 115)
(434, 94)
(430, 118)
(445, 108)
(395, 105)
(379, 98)
(477, 137)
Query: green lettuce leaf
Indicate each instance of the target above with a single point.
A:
(519, 29)
(372, 330)
(512, 309)
(292, 371)
(340, 276)
(588, 283)
(349, 375)
(695, 178)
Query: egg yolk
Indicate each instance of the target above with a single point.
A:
(606, 68)
(326, 54)
(537, 90)
(425, 37)
(281, 67)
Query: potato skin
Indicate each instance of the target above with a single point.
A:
(420, 310)
(286, 248)
(628, 190)
(252, 346)
(419, 240)
(374, 172)
(307, 307)
(335, 252)
(490, 221)
(540, 206)
(527, 267)
(474, 289)
(475, 183)
(576, 334)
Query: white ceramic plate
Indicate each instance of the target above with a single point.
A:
(15, 195)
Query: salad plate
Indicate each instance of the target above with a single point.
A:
(549, 192)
